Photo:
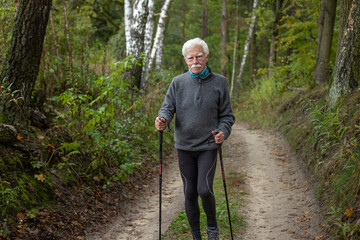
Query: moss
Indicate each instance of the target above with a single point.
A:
(3, 119)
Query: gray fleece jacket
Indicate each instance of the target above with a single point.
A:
(201, 106)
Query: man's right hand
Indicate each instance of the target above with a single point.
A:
(160, 124)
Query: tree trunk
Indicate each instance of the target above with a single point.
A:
(347, 64)
(325, 36)
(68, 35)
(235, 48)
(159, 54)
(274, 35)
(183, 17)
(128, 13)
(247, 43)
(204, 22)
(157, 40)
(149, 32)
(57, 50)
(23, 59)
(223, 39)
(16, 6)
(135, 22)
(149, 28)
(253, 50)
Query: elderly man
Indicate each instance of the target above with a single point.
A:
(201, 102)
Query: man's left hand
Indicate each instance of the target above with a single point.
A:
(219, 137)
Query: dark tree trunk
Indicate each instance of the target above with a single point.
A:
(253, 50)
(272, 55)
(23, 58)
(347, 65)
(325, 36)
(184, 9)
(205, 16)
(223, 38)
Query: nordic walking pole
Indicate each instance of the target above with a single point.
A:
(160, 178)
(224, 183)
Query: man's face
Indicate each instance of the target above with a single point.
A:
(195, 59)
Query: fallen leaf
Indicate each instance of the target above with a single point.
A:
(21, 216)
(58, 193)
(40, 177)
(19, 137)
(49, 146)
(76, 223)
(349, 212)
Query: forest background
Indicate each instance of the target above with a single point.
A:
(80, 122)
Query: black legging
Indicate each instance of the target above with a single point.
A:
(197, 171)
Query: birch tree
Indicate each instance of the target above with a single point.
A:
(347, 64)
(149, 32)
(135, 22)
(158, 42)
(159, 55)
(247, 43)
(325, 36)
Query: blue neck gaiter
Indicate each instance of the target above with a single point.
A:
(203, 74)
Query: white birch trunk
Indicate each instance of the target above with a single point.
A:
(247, 43)
(128, 23)
(157, 40)
(159, 54)
(159, 32)
(136, 42)
(149, 28)
(135, 22)
(149, 32)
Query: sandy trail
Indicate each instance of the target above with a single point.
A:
(279, 202)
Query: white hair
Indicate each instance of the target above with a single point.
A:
(195, 42)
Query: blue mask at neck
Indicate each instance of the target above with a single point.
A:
(203, 74)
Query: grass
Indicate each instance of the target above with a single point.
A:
(179, 228)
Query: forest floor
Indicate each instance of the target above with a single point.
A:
(279, 199)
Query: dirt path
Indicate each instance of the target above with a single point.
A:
(279, 202)
(141, 217)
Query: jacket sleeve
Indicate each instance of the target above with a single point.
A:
(225, 113)
(168, 108)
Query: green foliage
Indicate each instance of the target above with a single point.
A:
(106, 119)
(9, 198)
(267, 91)
(328, 128)
(298, 36)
